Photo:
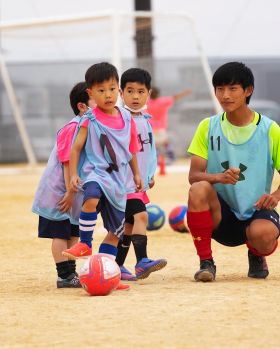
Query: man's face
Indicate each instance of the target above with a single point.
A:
(232, 97)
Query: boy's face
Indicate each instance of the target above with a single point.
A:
(105, 94)
(135, 95)
(232, 97)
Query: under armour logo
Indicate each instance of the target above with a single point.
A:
(198, 238)
(106, 145)
(242, 169)
(145, 141)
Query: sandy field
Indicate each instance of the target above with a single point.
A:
(167, 310)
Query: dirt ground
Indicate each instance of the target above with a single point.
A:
(167, 310)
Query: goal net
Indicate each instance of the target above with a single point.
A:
(44, 58)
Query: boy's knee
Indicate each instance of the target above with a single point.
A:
(90, 205)
(141, 217)
(111, 238)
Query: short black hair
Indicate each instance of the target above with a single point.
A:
(77, 95)
(234, 73)
(100, 72)
(136, 75)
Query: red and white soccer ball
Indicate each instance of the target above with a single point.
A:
(100, 275)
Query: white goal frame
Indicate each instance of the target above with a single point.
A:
(116, 18)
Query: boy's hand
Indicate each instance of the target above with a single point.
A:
(139, 183)
(66, 203)
(230, 176)
(266, 201)
(75, 183)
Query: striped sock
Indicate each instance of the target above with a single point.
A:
(87, 223)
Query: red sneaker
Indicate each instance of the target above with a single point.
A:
(122, 287)
(79, 250)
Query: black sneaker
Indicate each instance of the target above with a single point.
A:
(257, 266)
(72, 281)
(207, 271)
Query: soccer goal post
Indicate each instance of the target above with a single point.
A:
(43, 58)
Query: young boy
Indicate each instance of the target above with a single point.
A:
(105, 144)
(54, 198)
(135, 87)
(232, 165)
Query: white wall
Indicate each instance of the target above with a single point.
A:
(20, 9)
(226, 28)
(233, 27)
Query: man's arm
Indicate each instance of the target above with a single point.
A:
(198, 173)
(268, 201)
(276, 194)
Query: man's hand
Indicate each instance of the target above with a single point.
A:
(230, 176)
(266, 201)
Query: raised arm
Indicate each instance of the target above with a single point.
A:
(181, 94)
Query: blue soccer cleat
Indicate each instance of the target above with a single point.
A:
(126, 274)
(146, 266)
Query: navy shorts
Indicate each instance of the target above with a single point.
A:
(57, 229)
(232, 231)
(133, 206)
(113, 219)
